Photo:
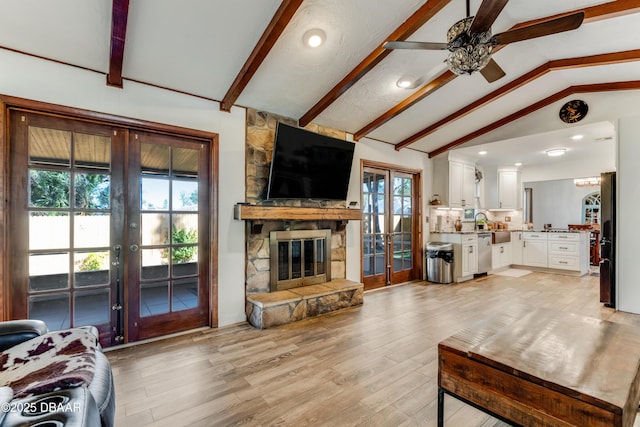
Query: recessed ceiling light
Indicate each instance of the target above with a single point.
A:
(518, 164)
(314, 37)
(556, 152)
(482, 153)
(577, 137)
(404, 83)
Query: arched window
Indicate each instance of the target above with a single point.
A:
(591, 208)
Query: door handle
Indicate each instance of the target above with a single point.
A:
(134, 248)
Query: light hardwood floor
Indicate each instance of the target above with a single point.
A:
(369, 366)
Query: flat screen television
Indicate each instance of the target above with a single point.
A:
(307, 165)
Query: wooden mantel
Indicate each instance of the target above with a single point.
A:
(287, 213)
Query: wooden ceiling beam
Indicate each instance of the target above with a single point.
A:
(411, 25)
(591, 88)
(595, 13)
(119, 16)
(278, 23)
(558, 64)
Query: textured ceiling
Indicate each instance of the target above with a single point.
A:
(200, 46)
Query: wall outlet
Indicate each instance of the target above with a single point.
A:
(507, 219)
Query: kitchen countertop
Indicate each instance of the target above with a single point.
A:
(515, 231)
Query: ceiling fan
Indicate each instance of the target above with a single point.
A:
(470, 43)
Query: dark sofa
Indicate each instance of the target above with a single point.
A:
(53, 379)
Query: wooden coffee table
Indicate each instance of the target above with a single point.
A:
(541, 367)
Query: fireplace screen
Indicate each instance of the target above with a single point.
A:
(299, 258)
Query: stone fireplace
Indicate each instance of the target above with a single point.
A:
(295, 257)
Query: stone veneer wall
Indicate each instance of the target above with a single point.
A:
(261, 128)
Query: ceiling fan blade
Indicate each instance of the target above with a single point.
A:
(414, 45)
(492, 71)
(553, 26)
(486, 15)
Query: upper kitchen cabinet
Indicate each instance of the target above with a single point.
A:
(501, 188)
(508, 189)
(454, 181)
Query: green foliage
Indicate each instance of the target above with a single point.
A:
(49, 189)
(93, 262)
(182, 254)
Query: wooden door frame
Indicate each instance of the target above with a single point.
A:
(417, 217)
(8, 103)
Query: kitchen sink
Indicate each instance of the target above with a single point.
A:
(500, 237)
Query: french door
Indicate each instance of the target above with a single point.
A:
(390, 227)
(107, 228)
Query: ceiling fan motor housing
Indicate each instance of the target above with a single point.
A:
(468, 53)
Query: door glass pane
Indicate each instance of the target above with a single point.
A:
(53, 309)
(48, 271)
(185, 195)
(48, 189)
(367, 265)
(380, 264)
(91, 307)
(91, 230)
(92, 191)
(185, 294)
(185, 228)
(92, 151)
(185, 162)
(155, 194)
(154, 229)
(49, 146)
(48, 230)
(91, 268)
(154, 298)
(185, 260)
(155, 263)
(155, 159)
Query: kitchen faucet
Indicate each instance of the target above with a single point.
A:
(475, 219)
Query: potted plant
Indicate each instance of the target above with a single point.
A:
(480, 223)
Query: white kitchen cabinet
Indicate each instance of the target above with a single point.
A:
(534, 249)
(470, 257)
(508, 189)
(454, 181)
(516, 247)
(501, 256)
(569, 251)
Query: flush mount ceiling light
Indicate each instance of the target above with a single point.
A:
(577, 137)
(482, 153)
(314, 37)
(556, 152)
(518, 164)
(407, 82)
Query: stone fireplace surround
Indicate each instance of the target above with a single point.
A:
(266, 308)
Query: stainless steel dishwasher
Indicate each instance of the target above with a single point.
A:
(484, 252)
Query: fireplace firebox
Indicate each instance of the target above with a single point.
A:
(299, 258)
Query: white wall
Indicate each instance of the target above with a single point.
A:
(628, 206)
(368, 149)
(31, 78)
(557, 202)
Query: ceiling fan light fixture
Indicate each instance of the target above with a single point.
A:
(314, 37)
(468, 54)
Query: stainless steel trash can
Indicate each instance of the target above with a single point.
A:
(439, 262)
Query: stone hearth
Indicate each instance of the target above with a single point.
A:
(278, 308)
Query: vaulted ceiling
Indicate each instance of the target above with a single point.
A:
(251, 53)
